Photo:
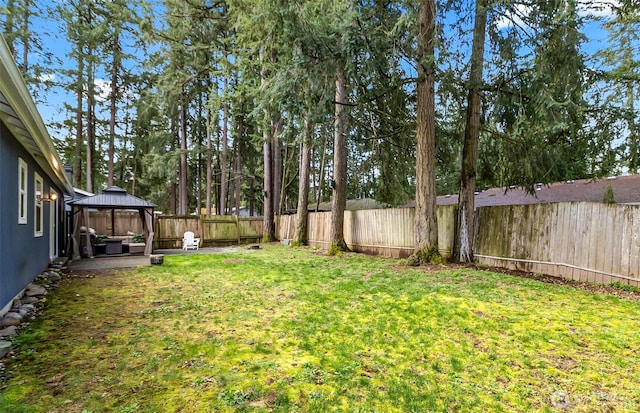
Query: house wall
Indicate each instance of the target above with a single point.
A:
(22, 255)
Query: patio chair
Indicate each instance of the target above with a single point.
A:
(189, 242)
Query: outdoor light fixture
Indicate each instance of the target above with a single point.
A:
(332, 184)
(46, 197)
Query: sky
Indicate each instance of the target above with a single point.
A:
(51, 102)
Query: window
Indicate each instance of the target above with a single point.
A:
(22, 191)
(38, 216)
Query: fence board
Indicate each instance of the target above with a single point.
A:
(540, 226)
(592, 236)
(567, 245)
(601, 225)
(579, 233)
(634, 254)
(617, 231)
(555, 242)
(609, 228)
(125, 222)
(585, 223)
(626, 235)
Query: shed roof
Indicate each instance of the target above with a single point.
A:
(20, 115)
(115, 198)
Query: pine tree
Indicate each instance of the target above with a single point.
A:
(465, 228)
(622, 73)
(426, 218)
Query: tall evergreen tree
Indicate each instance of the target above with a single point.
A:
(621, 69)
(339, 182)
(465, 228)
(536, 120)
(426, 218)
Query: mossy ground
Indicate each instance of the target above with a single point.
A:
(289, 329)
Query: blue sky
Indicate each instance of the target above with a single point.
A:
(51, 102)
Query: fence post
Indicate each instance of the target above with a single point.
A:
(237, 222)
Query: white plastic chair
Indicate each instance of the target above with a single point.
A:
(189, 242)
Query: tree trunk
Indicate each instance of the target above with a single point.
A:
(426, 217)
(465, 228)
(267, 189)
(276, 156)
(252, 195)
(339, 203)
(173, 189)
(321, 172)
(634, 147)
(267, 192)
(90, 125)
(238, 168)
(224, 154)
(200, 137)
(300, 236)
(182, 202)
(77, 161)
(112, 107)
(209, 164)
(284, 172)
(25, 36)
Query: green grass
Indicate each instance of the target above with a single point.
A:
(289, 329)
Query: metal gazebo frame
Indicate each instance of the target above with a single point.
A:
(110, 198)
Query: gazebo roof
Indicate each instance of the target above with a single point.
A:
(115, 198)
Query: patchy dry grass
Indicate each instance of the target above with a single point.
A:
(284, 329)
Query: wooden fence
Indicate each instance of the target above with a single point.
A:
(584, 241)
(592, 242)
(214, 230)
(116, 222)
(386, 232)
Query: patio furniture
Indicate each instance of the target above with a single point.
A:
(114, 246)
(189, 242)
(136, 247)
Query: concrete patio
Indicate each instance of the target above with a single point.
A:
(124, 261)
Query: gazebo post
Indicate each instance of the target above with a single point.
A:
(147, 226)
(76, 234)
(113, 222)
(87, 232)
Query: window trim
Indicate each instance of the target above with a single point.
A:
(38, 210)
(23, 187)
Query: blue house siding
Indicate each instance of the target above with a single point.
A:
(22, 255)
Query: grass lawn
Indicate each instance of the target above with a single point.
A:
(290, 329)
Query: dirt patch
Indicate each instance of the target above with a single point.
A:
(68, 273)
(234, 261)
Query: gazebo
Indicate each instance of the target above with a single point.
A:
(111, 198)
